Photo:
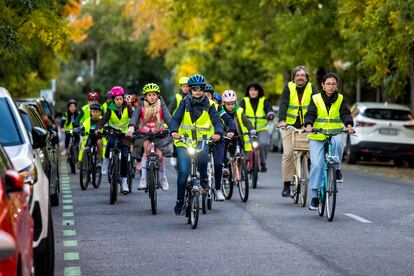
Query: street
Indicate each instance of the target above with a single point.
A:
(372, 232)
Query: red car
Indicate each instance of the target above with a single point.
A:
(16, 225)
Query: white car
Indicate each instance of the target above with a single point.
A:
(24, 151)
(384, 131)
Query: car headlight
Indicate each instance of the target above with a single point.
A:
(191, 151)
(255, 144)
(29, 174)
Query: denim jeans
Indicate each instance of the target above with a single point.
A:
(317, 158)
(184, 168)
(124, 153)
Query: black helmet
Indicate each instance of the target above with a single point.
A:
(95, 106)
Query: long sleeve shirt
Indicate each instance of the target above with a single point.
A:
(254, 102)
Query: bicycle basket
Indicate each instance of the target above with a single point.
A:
(300, 141)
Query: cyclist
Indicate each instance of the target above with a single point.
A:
(85, 113)
(117, 116)
(243, 124)
(259, 110)
(328, 111)
(108, 100)
(184, 89)
(90, 139)
(219, 146)
(129, 99)
(67, 122)
(195, 117)
(150, 117)
(294, 104)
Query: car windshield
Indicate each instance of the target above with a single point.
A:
(26, 121)
(47, 109)
(9, 134)
(388, 114)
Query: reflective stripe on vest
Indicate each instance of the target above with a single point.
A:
(259, 119)
(119, 124)
(246, 139)
(178, 98)
(329, 123)
(293, 108)
(150, 125)
(86, 113)
(203, 126)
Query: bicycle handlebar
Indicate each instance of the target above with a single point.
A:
(151, 135)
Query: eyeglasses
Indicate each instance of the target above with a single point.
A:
(331, 84)
(197, 88)
(300, 75)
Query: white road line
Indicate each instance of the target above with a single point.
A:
(358, 218)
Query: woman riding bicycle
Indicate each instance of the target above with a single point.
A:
(67, 122)
(117, 115)
(195, 117)
(327, 111)
(150, 118)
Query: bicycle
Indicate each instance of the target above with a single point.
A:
(89, 172)
(192, 191)
(73, 151)
(254, 161)
(327, 193)
(207, 199)
(153, 166)
(301, 157)
(131, 171)
(238, 174)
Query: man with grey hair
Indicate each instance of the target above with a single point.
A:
(294, 103)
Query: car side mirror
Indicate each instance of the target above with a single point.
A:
(39, 137)
(7, 245)
(14, 183)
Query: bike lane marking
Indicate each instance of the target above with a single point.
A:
(358, 218)
(68, 221)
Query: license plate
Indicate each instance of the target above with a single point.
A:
(388, 131)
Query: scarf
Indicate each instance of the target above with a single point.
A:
(152, 112)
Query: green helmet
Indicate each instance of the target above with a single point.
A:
(150, 87)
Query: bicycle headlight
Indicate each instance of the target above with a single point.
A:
(255, 144)
(29, 174)
(191, 150)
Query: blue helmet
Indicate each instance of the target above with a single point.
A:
(196, 80)
(209, 88)
(217, 97)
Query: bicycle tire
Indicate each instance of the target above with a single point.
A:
(131, 173)
(152, 187)
(212, 183)
(96, 172)
(210, 199)
(304, 180)
(330, 194)
(114, 180)
(243, 183)
(194, 209)
(71, 159)
(227, 184)
(322, 197)
(295, 189)
(254, 170)
(84, 171)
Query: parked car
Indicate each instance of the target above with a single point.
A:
(44, 109)
(276, 143)
(31, 118)
(23, 147)
(384, 131)
(15, 220)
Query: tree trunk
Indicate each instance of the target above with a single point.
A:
(358, 90)
(412, 80)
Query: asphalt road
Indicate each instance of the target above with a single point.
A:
(372, 233)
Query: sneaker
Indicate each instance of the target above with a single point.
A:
(173, 161)
(225, 172)
(178, 209)
(314, 204)
(105, 164)
(142, 183)
(286, 189)
(264, 169)
(124, 185)
(219, 195)
(164, 183)
(339, 178)
(64, 152)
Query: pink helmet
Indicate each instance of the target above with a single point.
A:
(229, 96)
(117, 91)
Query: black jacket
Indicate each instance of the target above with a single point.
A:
(267, 106)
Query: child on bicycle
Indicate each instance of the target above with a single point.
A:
(85, 112)
(243, 124)
(67, 123)
(327, 111)
(219, 146)
(150, 118)
(90, 138)
(197, 118)
(117, 116)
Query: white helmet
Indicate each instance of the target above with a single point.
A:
(229, 96)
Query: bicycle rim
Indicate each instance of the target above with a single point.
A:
(304, 179)
(255, 171)
(243, 181)
(152, 190)
(227, 185)
(295, 189)
(322, 197)
(83, 172)
(331, 194)
(194, 212)
(114, 181)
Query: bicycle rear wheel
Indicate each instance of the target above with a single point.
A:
(243, 181)
(194, 209)
(84, 171)
(330, 194)
(152, 187)
(227, 184)
(114, 179)
(304, 179)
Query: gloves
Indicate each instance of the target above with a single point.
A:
(270, 117)
(130, 131)
(253, 132)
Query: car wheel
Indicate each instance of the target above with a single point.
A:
(44, 257)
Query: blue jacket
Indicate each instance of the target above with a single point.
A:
(228, 120)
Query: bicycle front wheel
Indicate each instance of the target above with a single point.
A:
(152, 187)
(114, 180)
(243, 180)
(330, 194)
(304, 179)
(131, 173)
(72, 159)
(254, 170)
(194, 209)
(227, 184)
(322, 197)
(84, 171)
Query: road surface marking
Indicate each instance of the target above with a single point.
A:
(358, 218)
(72, 271)
(68, 222)
(70, 243)
(71, 256)
(67, 233)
